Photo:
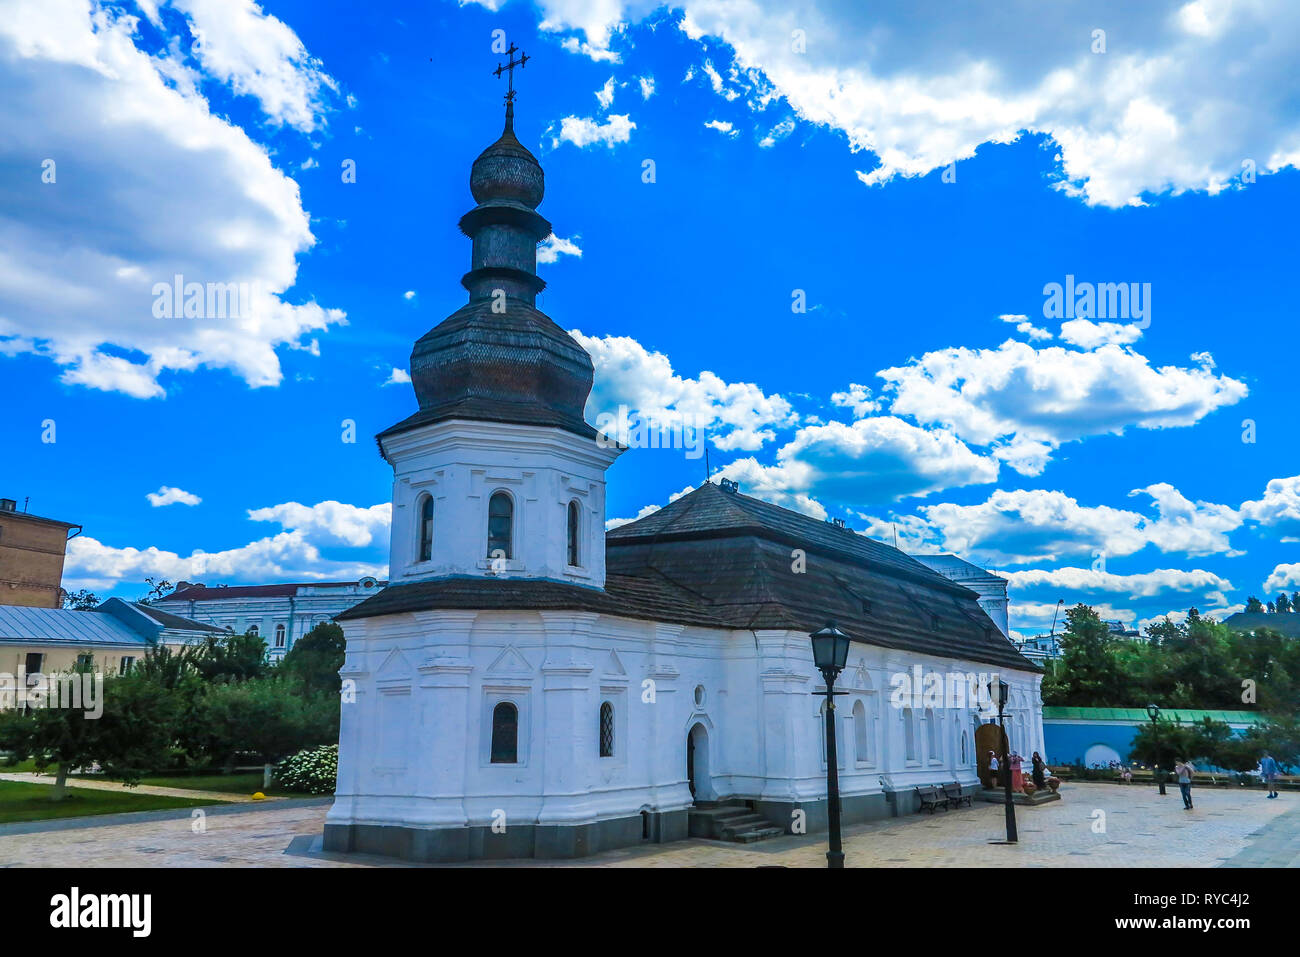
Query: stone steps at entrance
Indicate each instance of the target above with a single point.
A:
(730, 821)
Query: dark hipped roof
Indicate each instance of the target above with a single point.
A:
(643, 599)
(721, 559)
(710, 511)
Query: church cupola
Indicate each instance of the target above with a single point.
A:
(498, 358)
(498, 473)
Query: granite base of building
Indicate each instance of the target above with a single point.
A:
(542, 842)
(857, 809)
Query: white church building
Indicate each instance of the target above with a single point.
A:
(531, 685)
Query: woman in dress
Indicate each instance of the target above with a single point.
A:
(1017, 778)
(1040, 781)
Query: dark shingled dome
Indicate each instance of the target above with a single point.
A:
(499, 358)
(507, 171)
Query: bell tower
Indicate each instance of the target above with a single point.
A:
(498, 474)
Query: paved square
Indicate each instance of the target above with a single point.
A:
(1135, 828)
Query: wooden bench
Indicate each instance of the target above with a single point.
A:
(956, 794)
(931, 798)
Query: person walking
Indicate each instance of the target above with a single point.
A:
(1268, 771)
(1184, 771)
(1040, 781)
(993, 767)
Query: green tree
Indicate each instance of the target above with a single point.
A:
(316, 657)
(83, 599)
(158, 588)
(1254, 605)
(1282, 604)
(269, 718)
(1161, 748)
(131, 737)
(227, 656)
(1089, 673)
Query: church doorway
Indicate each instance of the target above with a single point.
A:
(988, 737)
(697, 763)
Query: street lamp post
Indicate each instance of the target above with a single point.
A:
(1154, 713)
(1005, 767)
(830, 653)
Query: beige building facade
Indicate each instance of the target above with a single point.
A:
(32, 551)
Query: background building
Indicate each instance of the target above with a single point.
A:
(991, 588)
(113, 637)
(1097, 736)
(280, 614)
(32, 550)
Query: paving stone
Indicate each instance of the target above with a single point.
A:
(1249, 833)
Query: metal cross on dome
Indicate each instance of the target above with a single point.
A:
(509, 68)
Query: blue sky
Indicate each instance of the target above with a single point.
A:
(919, 179)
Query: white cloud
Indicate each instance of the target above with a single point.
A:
(858, 398)
(879, 458)
(1279, 508)
(167, 495)
(722, 126)
(397, 377)
(1026, 401)
(258, 55)
(585, 131)
(330, 522)
(605, 95)
(1159, 581)
(647, 510)
(777, 133)
(293, 553)
(1282, 576)
(554, 247)
(1184, 94)
(173, 190)
(408, 295)
(1023, 526)
(647, 84)
(1026, 328)
(912, 533)
(737, 415)
(1087, 334)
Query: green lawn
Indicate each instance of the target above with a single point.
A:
(229, 783)
(31, 802)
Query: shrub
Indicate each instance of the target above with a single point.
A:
(310, 771)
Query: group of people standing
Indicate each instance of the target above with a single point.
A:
(1039, 770)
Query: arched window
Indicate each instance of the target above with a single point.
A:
(505, 734)
(501, 521)
(575, 522)
(861, 736)
(426, 528)
(606, 730)
(254, 631)
(279, 636)
(909, 735)
(932, 747)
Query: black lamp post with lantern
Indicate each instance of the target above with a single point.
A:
(1153, 712)
(830, 653)
(1003, 690)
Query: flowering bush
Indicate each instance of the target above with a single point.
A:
(310, 771)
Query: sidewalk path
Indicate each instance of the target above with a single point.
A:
(31, 777)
